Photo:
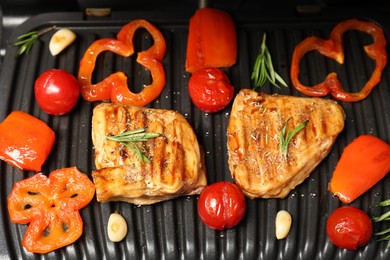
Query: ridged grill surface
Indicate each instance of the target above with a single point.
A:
(172, 229)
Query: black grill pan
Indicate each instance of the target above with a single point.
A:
(172, 229)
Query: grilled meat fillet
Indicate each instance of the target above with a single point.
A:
(256, 161)
(176, 164)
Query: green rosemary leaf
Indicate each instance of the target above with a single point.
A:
(130, 139)
(382, 232)
(280, 80)
(383, 203)
(26, 41)
(137, 137)
(269, 65)
(286, 138)
(26, 35)
(381, 217)
(384, 238)
(135, 149)
(384, 217)
(263, 68)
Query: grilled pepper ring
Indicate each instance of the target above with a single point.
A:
(115, 87)
(333, 48)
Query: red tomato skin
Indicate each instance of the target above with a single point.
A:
(349, 227)
(210, 89)
(221, 205)
(56, 91)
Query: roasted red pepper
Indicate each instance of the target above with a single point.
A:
(212, 40)
(363, 163)
(51, 206)
(333, 48)
(115, 87)
(25, 141)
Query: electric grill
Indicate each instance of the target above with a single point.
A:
(172, 229)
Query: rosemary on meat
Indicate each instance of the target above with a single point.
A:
(384, 217)
(130, 139)
(286, 138)
(263, 69)
(26, 41)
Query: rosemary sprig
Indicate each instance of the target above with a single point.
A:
(263, 69)
(286, 138)
(26, 41)
(384, 217)
(130, 139)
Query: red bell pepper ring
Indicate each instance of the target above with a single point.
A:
(333, 48)
(51, 205)
(115, 87)
(25, 141)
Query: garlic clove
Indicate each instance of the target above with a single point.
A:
(283, 223)
(116, 227)
(60, 40)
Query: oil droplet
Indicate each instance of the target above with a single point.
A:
(207, 133)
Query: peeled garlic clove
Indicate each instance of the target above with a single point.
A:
(283, 223)
(60, 40)
(117, 227)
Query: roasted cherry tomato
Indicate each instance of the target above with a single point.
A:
(51, 205)
(349, 227)
(210, 89)
(56, 91)
(221, 205)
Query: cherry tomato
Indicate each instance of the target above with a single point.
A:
(56, 91)
(349, 227)
(221, 205)
(210, 89)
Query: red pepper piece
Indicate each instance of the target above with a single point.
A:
(363, 163)
(51, 206)
(115, 87)
(25, 141)
(212, 40)
(333, 48)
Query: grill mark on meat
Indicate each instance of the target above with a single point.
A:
(255, 160)
(177, 161)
